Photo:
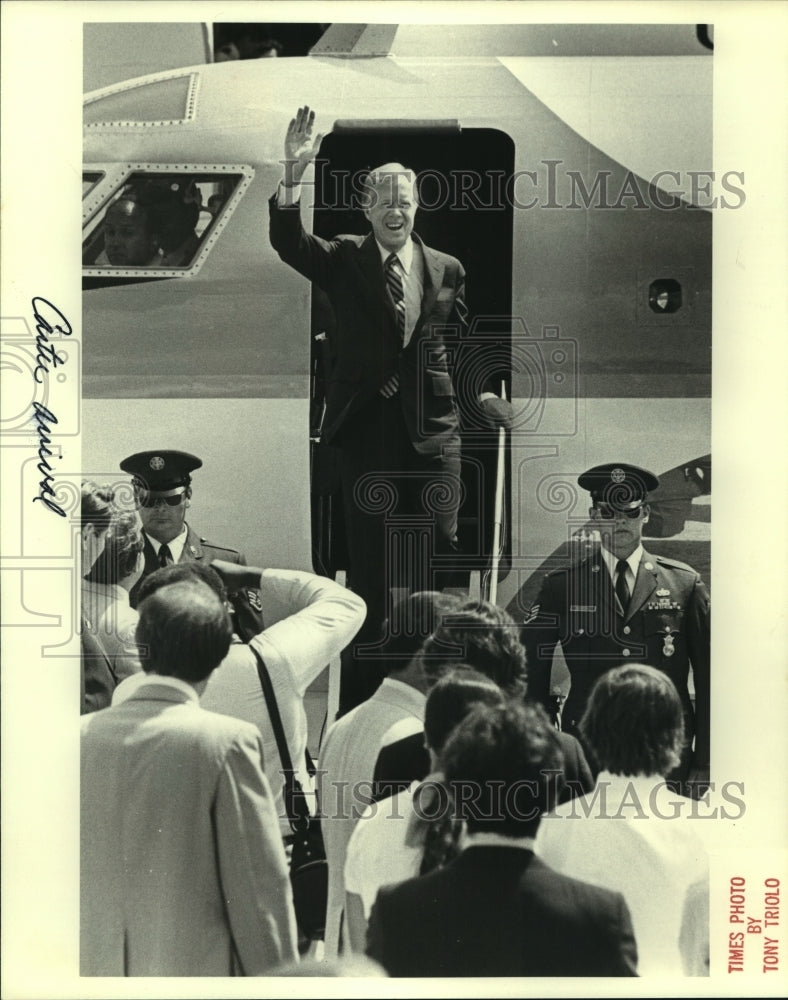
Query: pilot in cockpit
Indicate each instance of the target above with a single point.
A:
(129, 237)
(152, 226)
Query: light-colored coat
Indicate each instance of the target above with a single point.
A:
(183, 872)
(347, 764)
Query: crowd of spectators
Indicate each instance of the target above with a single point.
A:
(487, 847)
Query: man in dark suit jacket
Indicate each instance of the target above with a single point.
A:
(408, 760)
(162, 491)
(486, 638)
(390, 398)
(661, 619)
(497, 910)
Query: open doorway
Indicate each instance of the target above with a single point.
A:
(463, 212)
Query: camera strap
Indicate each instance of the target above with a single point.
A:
(294, 798)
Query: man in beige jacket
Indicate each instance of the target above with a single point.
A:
(183, 872)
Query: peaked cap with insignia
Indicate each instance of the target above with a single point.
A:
(618, 484)
(160, 471)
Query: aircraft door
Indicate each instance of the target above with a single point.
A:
(462, 212)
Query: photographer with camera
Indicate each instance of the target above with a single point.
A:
(320, 618)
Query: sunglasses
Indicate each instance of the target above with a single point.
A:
(608, 513)
(152, 499)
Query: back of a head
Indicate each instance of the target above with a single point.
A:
(633, 721)
(501, 763)
(196, 572)
(453, 697)
(183, 631)
(483, 636)
(413, 620)
(123, 546)
(96, 505)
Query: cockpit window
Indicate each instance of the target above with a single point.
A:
(157, 222)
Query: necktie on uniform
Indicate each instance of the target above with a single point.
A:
(165, 556)
(622, 588)
(396, 290)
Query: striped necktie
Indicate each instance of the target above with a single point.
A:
(396, 290)
(622, 588)
(165, 556)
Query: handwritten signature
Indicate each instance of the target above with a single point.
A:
(45, 352)
(49, 320)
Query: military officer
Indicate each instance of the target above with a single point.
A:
(622, 604)
(162, 491)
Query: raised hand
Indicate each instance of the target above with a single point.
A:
(300, 148)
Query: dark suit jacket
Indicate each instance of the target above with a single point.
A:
(367, 344)
(499, 911)
(407, 760)
(247, 604)
(667, 625)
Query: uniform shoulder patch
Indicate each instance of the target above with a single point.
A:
(253, 596)
(531, 614)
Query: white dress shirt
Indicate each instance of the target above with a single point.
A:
(348, 755)
(632, 561)
(634, 836)
(482, 839)
(175, 546)
(287, 195)
(386, 846)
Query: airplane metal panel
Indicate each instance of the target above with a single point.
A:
(114, 51)
(168, 101)
(670, 99)
(556, 40)
(583, 259)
